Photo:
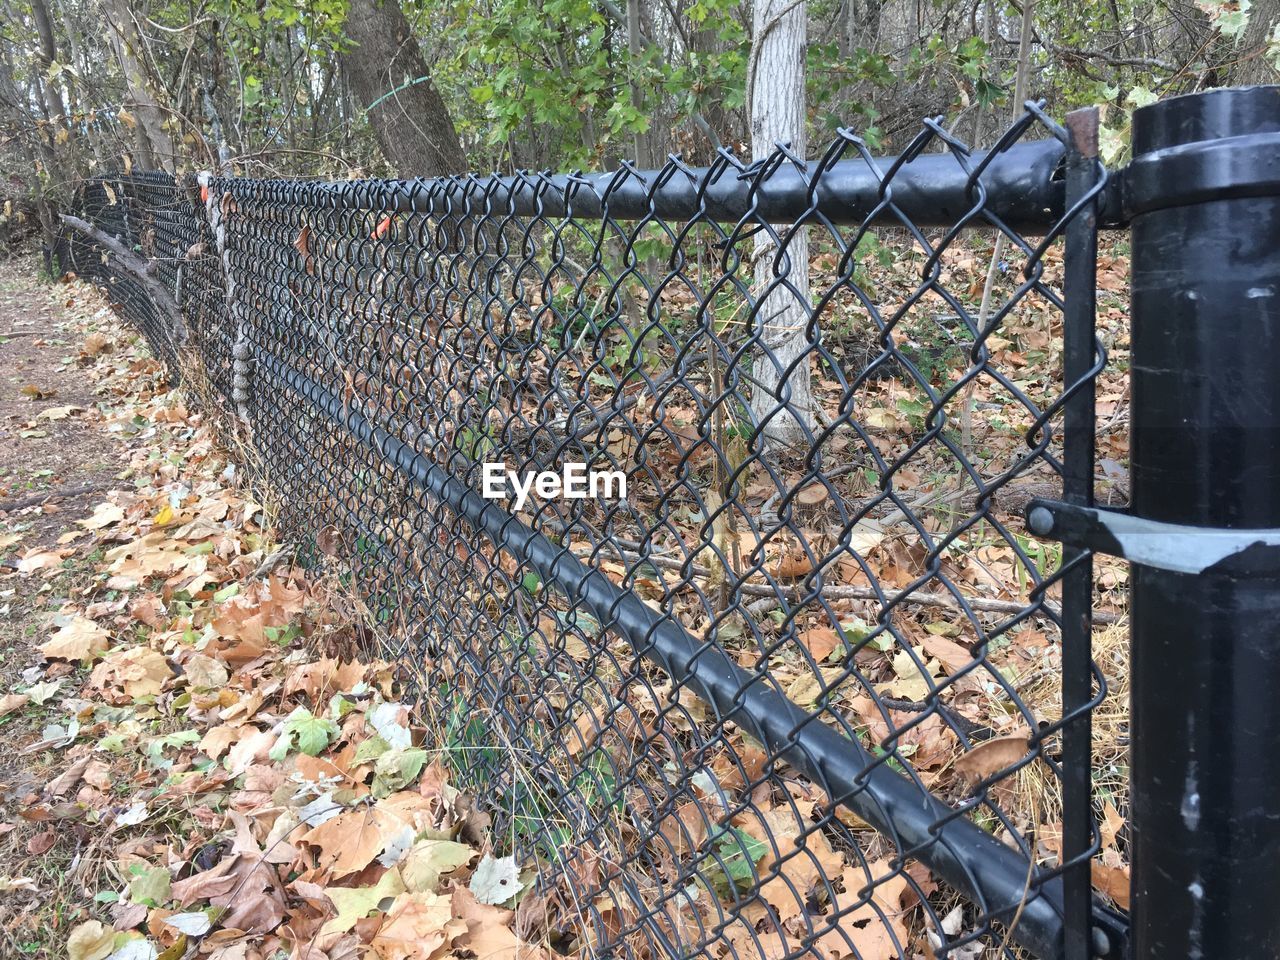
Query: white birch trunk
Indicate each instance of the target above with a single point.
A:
(776, 92)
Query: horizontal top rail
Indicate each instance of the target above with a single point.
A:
(1021, 187)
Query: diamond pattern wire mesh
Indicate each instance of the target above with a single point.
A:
(658, 698)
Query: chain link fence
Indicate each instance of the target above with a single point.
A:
(760, 691)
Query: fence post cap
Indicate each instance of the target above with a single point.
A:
(1210, 115)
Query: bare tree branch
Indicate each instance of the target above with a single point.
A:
(141, 268)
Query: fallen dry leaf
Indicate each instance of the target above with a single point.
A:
(249, 749)
(37, 559)
(991, 757)
(81, 639)
(91, 940)
(355, 903)
(41, 843)
(204, 673)
(428, 859)
(417, 925)
(97, 775)
(349, 842)
(104, 515)
(820, 641)
(489, 935)
(62, 784)
(146, 557)
(257, 913)
(138, 671)
(909, 682)
(951, 654)
(878, 929)
(94, 345)
(35, 392)
(1112, 881)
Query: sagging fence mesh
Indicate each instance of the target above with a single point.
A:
(768, 703)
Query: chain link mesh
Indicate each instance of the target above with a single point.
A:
(769, 703)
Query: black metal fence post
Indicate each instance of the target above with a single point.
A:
(1203, 193)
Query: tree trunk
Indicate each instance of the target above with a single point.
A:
(781, 398)
(45, 57)
(37, 141)
(1255, 68)
(75, 89)
(1020, 81)
(720, 125)
(635, 47)
(155, 148)
(390, 80)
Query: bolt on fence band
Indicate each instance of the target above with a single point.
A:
(763, 703)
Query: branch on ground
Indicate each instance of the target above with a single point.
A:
(142, 268)
(57, 493)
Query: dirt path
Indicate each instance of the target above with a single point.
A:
(57, 461)
(56, 458)
(43, 329)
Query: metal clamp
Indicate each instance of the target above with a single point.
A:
(1151, 543)
(1241, 166)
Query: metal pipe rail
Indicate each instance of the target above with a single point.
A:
(1020, 187)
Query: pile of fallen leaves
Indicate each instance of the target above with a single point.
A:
(230, 792)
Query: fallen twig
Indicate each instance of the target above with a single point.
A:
(55, 493)
(771, 596)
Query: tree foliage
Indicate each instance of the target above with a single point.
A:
(561, 84)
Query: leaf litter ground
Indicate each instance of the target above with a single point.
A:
(197, 757)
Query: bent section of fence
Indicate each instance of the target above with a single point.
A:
(768, 702)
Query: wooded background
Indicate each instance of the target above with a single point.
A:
(343, 88)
